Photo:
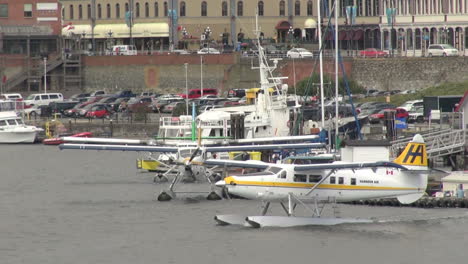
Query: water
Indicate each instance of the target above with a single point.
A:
(94, 207)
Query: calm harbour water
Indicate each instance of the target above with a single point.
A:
(95, 207)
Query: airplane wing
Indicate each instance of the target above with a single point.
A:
(237, 163)
(118, 147)
(275, 139)
(265, 147)
(107, 140)
(334, 166)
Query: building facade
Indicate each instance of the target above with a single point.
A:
(404, 26)
(29, 27)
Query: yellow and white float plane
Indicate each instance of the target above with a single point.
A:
(405, 179)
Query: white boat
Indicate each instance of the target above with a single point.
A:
(13, 129)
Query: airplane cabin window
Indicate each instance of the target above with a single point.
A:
(340, 180)
(332, 180)
(315, 178)
(353, 181)
(300, 178)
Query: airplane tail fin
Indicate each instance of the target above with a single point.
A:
(414, 156)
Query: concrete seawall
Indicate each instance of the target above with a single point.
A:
(166, 73)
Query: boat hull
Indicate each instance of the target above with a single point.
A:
(17, 137)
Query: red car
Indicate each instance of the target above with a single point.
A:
(373, 53)
(98, 111)
(399, 113)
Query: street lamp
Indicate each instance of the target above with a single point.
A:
(186, 89)
(290, 33)
(185, 34)
(44, 57)
(207, 34)
(109, 39)
(83, 35)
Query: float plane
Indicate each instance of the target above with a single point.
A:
(189, 161)
(405, 178)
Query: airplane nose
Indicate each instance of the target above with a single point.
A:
(221, 183)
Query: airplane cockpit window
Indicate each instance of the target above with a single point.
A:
(315, 178)
(282, 175)
(275, 170)
(300, 178)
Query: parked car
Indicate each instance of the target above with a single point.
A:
(208, 51)
(299, 53)
(61, 107)
(98, 111)
(197, 93)
(91, 107)
(169, 107)
(399, 113)
(373, 53)
(416, 116)
(98, 92)
(236, 93)
(136, 104)
(409, 105)
(441, 50)
(158, 105)
(125, 93)
(73, 112)
(115, 105)
(78, 96)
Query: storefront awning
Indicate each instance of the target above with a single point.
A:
(358, 35)
(342, 35)
(310, 23)
(283, 25)
(140, 30)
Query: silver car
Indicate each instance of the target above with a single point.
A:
(441, 50)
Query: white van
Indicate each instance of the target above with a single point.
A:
(441, 50)
(124, 50)
(43, 98)
(11, 96)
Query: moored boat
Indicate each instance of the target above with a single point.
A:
(14, 130)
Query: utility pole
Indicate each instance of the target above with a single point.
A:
(93, 24)
(131, 21)
(201, 75)
(186, 89)
(45, 74)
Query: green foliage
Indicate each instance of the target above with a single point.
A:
(140, 112)
(311, 86)
(444, 89)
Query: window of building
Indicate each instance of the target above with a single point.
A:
(117, 10)
(203, 8)
(353, 181)
(359, 8)
(240, 8)
(80, 12)
(146, 9)
(99, 11)
(156, 9)
(126, 7)
(182, 9)
(27, 10)
(137, 10)
(340, 180)
(332, 180)
(3, 10)
(224, 8)
(282, 8)
(309, 8)
(377, 8)
(71, 12)
(260, 8)
(368, 9)
(297, 8)
(165, 9)
(108, 11)
(63, 11)
(88, 11)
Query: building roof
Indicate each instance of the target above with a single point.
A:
(463, 101)
(457, 177)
